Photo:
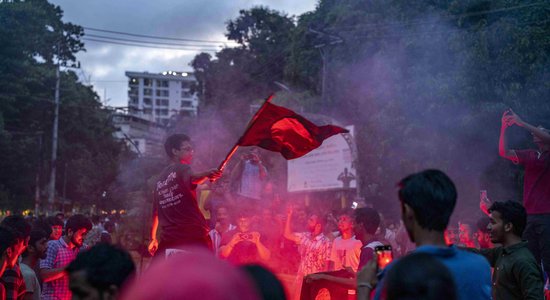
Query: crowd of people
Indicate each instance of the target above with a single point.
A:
(275, 249)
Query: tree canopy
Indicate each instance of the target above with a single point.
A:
(425, 82)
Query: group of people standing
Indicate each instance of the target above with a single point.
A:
(427, 199)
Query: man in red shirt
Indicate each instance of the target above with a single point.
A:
(536, 184)
(175, 206)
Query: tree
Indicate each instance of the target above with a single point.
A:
(34, 39)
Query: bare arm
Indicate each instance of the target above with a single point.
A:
(226, 250)
(536, 131)
(348, 282)
(153, 245)
(52, 274)
(288, 234)
(212, 174)
(503, 150)
(264, 253)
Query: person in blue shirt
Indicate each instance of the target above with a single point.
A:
(427, 200)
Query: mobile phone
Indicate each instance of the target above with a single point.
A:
(384, 255)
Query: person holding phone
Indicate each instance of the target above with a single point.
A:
(536, 190)
(244, 245)
(427, 201)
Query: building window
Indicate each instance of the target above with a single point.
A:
(186, 94)
(147, 92)
(162, 83)
(133, 100)
(147, 82)
(147, 101)
(133, 90)
(186, 85)
(134, 81)
(186, 104)
(161, 112)
(162, 93)
(147, 111)
(162, 102)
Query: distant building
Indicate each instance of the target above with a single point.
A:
(143, 137)
(159, 97)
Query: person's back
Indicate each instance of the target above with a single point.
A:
(427, 279)
(470, 271)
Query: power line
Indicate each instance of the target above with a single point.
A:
(147, 46)
(145, 42)
(447, 17)
(155, 37)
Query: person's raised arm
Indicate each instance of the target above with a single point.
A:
(536, 131)
(288, 234)
(503, 150)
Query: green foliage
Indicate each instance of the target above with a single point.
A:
(34, 39)
(425, 82)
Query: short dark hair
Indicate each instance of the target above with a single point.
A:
(8, 238)
(36, 235)
(426, 279)
(104, 265)
(432, 196)
(321, 218)
(19, 225)
(174, 142)
(42, 224)
(54, 221)
(369, 218)
(512, 212)
(78, 222)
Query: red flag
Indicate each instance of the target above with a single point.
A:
(282, 130)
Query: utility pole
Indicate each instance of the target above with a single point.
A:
(37, 178)
(326, 40)
(51, 191)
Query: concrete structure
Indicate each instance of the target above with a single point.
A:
(144, 137)
(159, 97)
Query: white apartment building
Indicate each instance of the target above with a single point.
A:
(159, 97)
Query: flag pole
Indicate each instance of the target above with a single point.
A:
(252, 121)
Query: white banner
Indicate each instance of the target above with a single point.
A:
(327, 167)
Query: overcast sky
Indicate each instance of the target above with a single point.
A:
(104, 64)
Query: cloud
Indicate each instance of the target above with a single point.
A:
(190, 19)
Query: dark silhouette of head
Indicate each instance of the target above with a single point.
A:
(431, 195)
(419, 276)
(100, 273)
(367, 221)
(507, 217)
(267, 284)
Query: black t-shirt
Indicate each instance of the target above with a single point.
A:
(175, 199)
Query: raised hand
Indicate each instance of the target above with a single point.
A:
(153, 247)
